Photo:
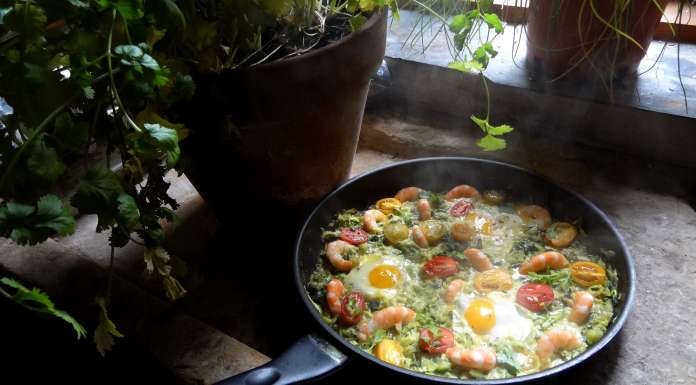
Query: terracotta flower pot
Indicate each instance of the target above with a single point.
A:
(565, 37)
(286, 131)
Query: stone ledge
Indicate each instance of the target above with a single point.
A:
(579, 167)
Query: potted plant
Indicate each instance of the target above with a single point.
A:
(283, 114)
(81, 90)
(607, 38)
(114, 77)
(94, 96)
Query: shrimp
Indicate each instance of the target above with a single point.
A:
(462, 191)
(539, 215)
(482, 358)
(582, 304)
(462, 231)
(419, 237)
(334, 291)
(556, 339)
(478, 259)
(424, 210)
(408, 194)
(539, 262)
(453, 290)
(371, 218)
(335, 251)
(386, 318)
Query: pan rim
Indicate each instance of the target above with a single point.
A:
(592, 350)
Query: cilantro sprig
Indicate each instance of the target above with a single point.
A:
(75, 77)
(472, 51)
(38, 301)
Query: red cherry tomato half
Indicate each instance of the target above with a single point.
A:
(354, 237)
(535, 296)
(352, 308)
(437, 342)
(461, 208)
(441, 266)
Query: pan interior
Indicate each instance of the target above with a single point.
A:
(441, 174)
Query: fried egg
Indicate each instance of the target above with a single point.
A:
(494, 316)
(378, 276)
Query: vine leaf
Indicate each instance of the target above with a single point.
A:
(459, 23)
(28, 22)
(38, 301)
(52, 215)
(43, 161)
(491, 142)
(472, 66)
(129, 9)
(97, 193)
(72, 137)
(134, 56)
(157, 139)
(493, 21)
(29, 225)
(157, 262)
(106, 329)
(128, 212)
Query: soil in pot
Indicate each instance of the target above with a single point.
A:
(284, 132)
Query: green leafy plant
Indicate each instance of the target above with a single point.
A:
(38, 301)
(88, 124)
(469, 27)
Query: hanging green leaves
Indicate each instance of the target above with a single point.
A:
(106, 329)
(157, 262)
(38, 301)
(491, 141)
(28, 225)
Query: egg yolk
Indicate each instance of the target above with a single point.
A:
(480, 315)
(479, 222)
(384, 276)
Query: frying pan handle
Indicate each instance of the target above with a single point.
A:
(309, 357)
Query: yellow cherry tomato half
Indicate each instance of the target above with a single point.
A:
(388, 205)
(587, 274)
(480, 314)
(433, 230)
(396, 232)
(390, 351)
(493, 280)
(560, 234)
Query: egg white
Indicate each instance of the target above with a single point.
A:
(509, 323)
(359, 277)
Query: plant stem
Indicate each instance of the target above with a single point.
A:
(681, 81)
(5, 294)
(442, 19)
(125, 29)
(110, 274)
(488, 95)
(114, 89)
(612, 27)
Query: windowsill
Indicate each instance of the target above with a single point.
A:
(657, 88)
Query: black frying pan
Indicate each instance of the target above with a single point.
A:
(313, 356)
